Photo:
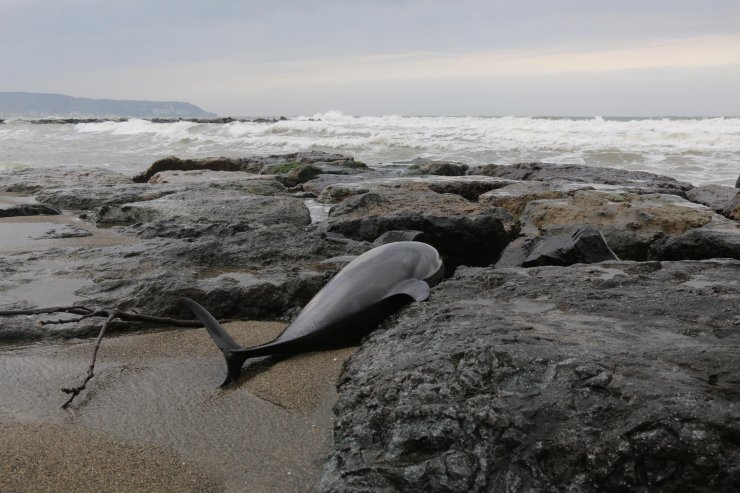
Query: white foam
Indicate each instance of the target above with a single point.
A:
(702, 150)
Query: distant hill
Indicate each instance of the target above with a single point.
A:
(36, 105)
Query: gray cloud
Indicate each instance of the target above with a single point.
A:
(122, 49)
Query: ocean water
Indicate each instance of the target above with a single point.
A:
(698, 150)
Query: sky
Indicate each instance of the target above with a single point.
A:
(374, 57)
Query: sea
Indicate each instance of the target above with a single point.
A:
(701, 151)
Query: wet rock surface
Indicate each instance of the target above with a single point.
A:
(605, 376)
(630, 223)
(256, 164)
(29, 210)
(721, 199)
(32, 180)
(217, 212)
(617, 377)
(580, 173)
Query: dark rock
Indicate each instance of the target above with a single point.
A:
(468, 189)
(517, 251)
(255, 164)
(213, 164)
(579, 244)
(460, 239)
(717, 197)
(440, 168)
(619, 376)
(737, 182)
(580, 173)
(394, 236)
(698, 244)
(733, 209)
(29, 210)
(299, 174)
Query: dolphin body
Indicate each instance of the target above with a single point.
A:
(355, 301)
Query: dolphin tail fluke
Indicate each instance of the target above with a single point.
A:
(234, 354)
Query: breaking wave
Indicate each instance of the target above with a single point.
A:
(700, 150)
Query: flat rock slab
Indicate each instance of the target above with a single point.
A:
(266, 272)
(193, 213)
(619, 376)
(31, 180)
(580, 173)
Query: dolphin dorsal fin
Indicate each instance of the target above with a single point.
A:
(416, 288)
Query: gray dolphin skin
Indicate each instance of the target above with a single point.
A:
(356, 300)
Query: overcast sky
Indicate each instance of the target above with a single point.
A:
(412, 57)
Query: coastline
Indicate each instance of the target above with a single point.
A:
(556, 274)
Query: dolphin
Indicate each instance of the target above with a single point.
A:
(356, 300)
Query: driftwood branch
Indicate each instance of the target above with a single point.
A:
(74, 391)
(84, 312)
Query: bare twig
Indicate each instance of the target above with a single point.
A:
(74, 309)
(74, 391)
(84, 312)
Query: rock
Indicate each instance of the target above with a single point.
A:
(29, 210)
(354, 203)
(195, 213)
(721, 199)
(737, 182)
(619, 376)
(630, 223)
(476, 239)
(580, 173)
(701, 243)
(262, 273)
(579, 244)
(466, 188)
(92, 196)
(253, 164)
(32, 180)
(235, 180)
(394, 236)
(440, 168)
(300, 174)
(732, 210)
(517, 251)
(514, 197)
(463, 231)
(214, 164)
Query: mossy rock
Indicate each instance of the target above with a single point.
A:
(282, 168)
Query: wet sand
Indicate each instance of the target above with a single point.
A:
(153, 418)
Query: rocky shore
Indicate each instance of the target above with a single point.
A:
(586, 337)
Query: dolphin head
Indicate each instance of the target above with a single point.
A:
(429, 266)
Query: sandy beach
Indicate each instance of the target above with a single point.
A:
(154, 417)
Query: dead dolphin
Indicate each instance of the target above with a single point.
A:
(360, 296)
